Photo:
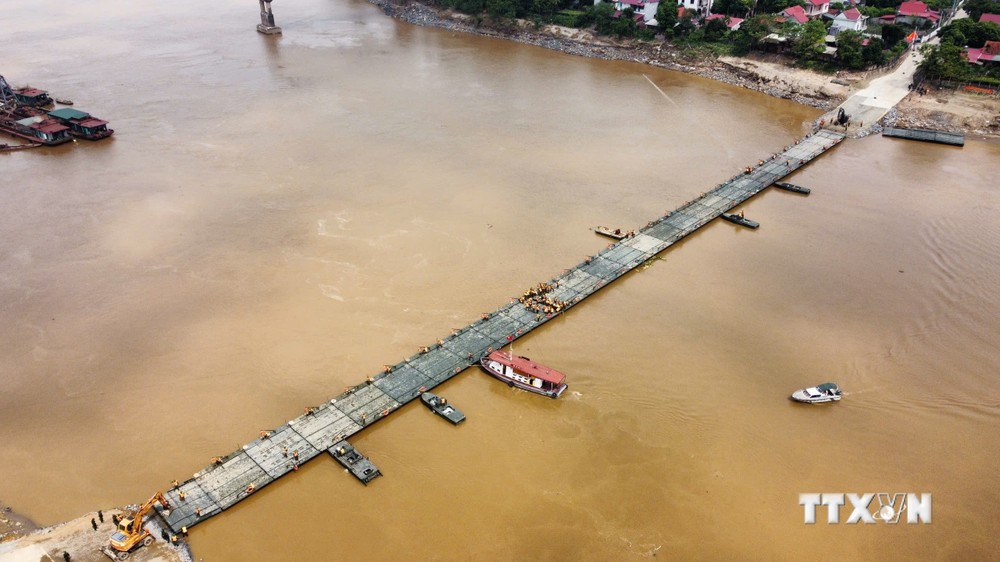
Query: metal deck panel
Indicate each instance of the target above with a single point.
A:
(182, 512)
(469, 341)
(602, 269)
(226, 484)
(403, 383)
(269, 452)
(324, 427)
(365, 404)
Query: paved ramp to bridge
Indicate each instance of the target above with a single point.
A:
(234, 477)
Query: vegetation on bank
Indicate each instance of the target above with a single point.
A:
(806, 43)
(948, 60)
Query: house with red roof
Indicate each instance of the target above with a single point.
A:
(992, 18)
(646, 9)
(701, 7)
(849, 19)
(989, 54)
(916, 12)
(816, 8)
(795, 14)
(733, 23)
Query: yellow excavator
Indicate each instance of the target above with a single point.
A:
(131, 535)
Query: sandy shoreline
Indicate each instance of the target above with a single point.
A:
(957, 112)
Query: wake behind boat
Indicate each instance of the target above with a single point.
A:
(524, 373)
(826, 392)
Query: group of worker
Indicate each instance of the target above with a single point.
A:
(537, 300)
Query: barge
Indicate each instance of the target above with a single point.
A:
(32, 97)
(39, 129)
(81, 124)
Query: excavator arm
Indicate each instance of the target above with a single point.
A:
(137, 520)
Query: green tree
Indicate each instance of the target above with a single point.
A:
(603, 18)
(967, 32)
(501, 9)
(976, 8)
(749, 35)
(666, 17)
(874, 52)
(624, 25)
(716, 29)
(945, 61)
(738, 8)
(892, 34)
(685, 25)
(544, 7)
(849, 49)
(774, 6)
(474, 7)
(809, 42)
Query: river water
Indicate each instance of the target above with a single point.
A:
(276, 218)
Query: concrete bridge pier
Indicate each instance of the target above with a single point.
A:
(266, 25)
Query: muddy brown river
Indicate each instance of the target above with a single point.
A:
(276, 218)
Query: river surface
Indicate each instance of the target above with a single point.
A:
(275, 218)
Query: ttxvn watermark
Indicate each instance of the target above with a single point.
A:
(890, 507)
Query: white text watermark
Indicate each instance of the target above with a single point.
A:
(889, 509)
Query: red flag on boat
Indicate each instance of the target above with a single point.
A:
(510, 338)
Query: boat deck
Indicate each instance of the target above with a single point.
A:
(227, 481)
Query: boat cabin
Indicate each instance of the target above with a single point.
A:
(81, 124)
(32, 97)
(40, 129)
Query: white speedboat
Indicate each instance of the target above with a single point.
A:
(826, 392)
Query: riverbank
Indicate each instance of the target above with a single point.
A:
(952, 111)
(22, 541)
(802, 86)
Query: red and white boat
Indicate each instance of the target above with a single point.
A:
(524, 373)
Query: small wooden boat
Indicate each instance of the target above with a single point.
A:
(441, 407)
(64, 101)
(826, 392)
(615, 233)
(524, 373)
(740, 220)
(792, 187)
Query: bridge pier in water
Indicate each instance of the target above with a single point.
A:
(266, 25)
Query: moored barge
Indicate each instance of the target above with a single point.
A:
(82, 124)
(37, 128)
(32, 97)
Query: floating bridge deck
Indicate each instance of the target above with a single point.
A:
(234, 477)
